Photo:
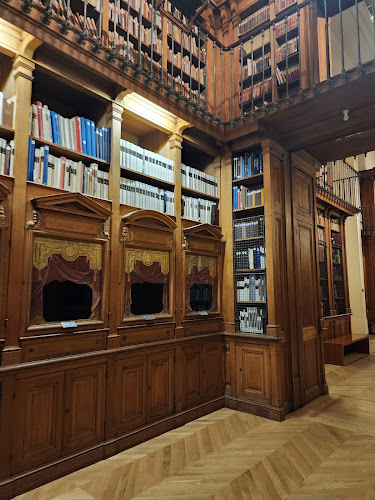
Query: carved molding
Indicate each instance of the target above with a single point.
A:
(70, 250)
(36, 223)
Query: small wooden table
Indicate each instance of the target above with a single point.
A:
(334, 349)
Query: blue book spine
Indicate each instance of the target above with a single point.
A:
(30, 164)
(45, 164)
(93, 138)
(83, 134)
(88, 136)
(105, 140)
(58, 131)
(109, 144)
(242, 166)
(53, 126)
(97, 143)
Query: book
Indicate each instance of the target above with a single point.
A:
(142, 195)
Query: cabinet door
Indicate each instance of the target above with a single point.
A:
(39, 410)
(191, 379)
(253, 375)
(213, 370)
(160, 385)
(130, 394)
(84, 407)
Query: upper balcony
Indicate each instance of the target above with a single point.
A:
(303, 74)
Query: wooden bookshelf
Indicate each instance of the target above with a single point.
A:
(198, 194)
(147, 179)
(6, 132)
(252, 180)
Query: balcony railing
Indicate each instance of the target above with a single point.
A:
(282, 59)
(341, 182)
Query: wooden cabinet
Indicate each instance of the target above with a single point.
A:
(253, 377)
(84, 407)
(39, 406)
(130, 394)
(160, 388)
(200, 374)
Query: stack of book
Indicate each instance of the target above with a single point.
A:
(292, 22)
(6, 157)
(6, 111)
(203, 211)
(247, 164)
(257, 90)
(249, 229)
(77, 133)
(62, 173)
(293, 75)
(282, 4)
(141, 195)
(193, 178)
(282, 52)
(256, 19)
(254, 67)
(141, 160)
(252, 320)
(252, 288)
(244, 197)
(250, 258)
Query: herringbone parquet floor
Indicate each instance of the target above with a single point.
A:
(324, 451)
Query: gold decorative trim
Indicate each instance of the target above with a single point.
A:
(201, 261)
(147, 257)
(70, 250)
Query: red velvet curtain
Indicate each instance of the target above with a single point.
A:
(59, 269)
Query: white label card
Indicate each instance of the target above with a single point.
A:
(149, 317)
(203, 313)
(68, 324)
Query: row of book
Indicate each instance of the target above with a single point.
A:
(62, 173)
(291, 24)
(146, 10)
(247, 164)
(254, 67)
(252, 320)
(141, 160)
(6, 111)
(256, 90)
(321, 254)
(141, 195)
(252, 288)
(250, 258)
(282, 4)
(203, 211)
(184, 64)
(336, 238)
(77, 133)
(6, 157)
(336, 256)
(256, 19)
(192, 94)
(183, 39)
(79, 21)
(253, 228)
(193, 178)
(321, 218)
(181, 17)
(321, 234)
(244, 197)
(287, 49)
(282, 75)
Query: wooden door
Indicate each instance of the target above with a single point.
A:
(130, 395)
(84, 407)
(160, 385)
(253, 372)
(213, 361)
(190, 376)
(39, 407)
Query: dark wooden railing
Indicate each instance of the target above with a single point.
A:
(341, 181)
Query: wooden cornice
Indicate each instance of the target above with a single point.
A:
(149, 218)
(71, 204)
(4, 191)
(204, 231)
(333, 202)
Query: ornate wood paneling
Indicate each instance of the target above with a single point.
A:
(39, 405)
(129, 398)
(253, 372)
(190, 383)
(84, 407)
(160, 389)
(213, 370)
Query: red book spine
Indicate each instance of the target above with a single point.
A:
(39, 106)
(78, 133)
(7, 160)
(62, 175)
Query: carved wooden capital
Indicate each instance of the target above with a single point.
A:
(24, 67)
(273, 148)
(114, 112)
(175, 141)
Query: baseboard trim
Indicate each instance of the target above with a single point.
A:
(29, 480)
(258, 409)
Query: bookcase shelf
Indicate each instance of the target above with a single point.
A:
(56, 149)
(185, 77)
(47, 190)
(6, 132)
(135, 13)
(257, 52)
(292, 33)
(261, 270)
(185, 51)
(292, 58)
(135, 41)
(256, 77)
(148, 179)
(241, 212)
(198, 194)
(251, 180)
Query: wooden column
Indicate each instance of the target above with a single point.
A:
(226, 222)
(16, 313)
(175, 144)
(115, 315)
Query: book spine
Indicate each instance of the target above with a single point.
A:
(78, 134)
